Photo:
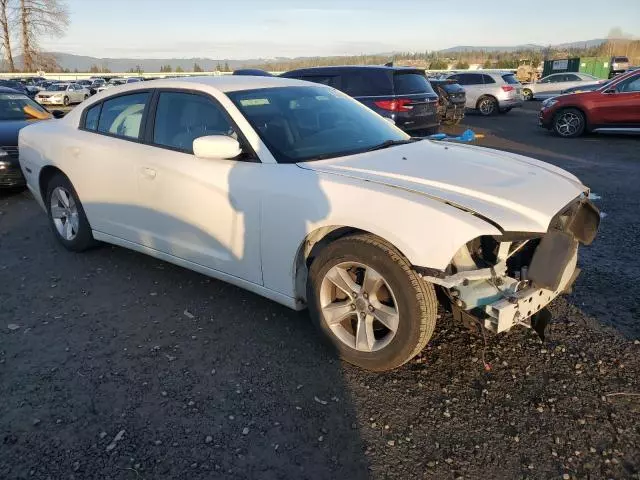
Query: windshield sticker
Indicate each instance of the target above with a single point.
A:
(252, 102)
(11, 96)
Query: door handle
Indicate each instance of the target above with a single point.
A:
(150, 173)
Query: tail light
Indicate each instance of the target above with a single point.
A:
(507, 88)
(402, 105)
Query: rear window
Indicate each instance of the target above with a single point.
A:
(510, 78)
(408, 83)
(621, 59)
(365, 83)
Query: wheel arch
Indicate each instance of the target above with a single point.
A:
(46, 174)
(311, 246)
(587, 123)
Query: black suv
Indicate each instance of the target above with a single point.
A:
(452, 100)
(401, 94)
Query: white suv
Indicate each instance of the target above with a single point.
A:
(490, 92)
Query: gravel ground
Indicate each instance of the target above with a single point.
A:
(114, 365)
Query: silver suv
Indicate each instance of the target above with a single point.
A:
(490, 92)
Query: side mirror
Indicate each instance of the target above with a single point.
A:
(58, 113)
(610, 90)
(216, 146)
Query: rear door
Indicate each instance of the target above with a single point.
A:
(104, 168)
(473, 86)
(549, 84)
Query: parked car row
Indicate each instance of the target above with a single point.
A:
(415, 103)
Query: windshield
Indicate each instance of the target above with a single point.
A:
(16, 106)
(310, 123)
(116, 82)
(58, 88)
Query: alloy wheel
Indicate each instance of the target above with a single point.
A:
(568, 124)
(64, 213)
(487, 106)
(359, 306)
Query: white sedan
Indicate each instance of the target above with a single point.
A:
(301, 194)
(554, 84)
(62, 94)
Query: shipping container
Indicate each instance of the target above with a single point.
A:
(596, 66)
(561, 66)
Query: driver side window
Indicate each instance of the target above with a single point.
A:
(183, 117)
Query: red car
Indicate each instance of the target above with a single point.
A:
(614, 107)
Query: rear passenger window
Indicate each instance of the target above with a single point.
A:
(122, 116)
(91, 117)
(487, 79)
(469, 79)
(183, 117)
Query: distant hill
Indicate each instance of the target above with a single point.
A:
(529, 46)
(83, 63)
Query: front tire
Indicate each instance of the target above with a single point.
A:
(487, 106)
(65, 101)
(66, 215)
(369, 303)
(569, 123)
(527, 94)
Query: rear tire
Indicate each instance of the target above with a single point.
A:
(569, 123)
(66, 215)
(65, 101)
(407, 304)
(487, 106)
(527, 94)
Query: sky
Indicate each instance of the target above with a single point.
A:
(242, 29)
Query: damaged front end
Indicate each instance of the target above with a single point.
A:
(502, 281)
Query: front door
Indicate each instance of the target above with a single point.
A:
(205, 211)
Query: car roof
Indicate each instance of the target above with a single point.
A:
(356, 67)
(223, 83)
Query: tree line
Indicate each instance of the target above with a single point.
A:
(29, 21)
(434, 60)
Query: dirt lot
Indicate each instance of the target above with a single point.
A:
(116, 366)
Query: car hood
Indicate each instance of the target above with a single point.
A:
(516, 193)
(52, 92)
